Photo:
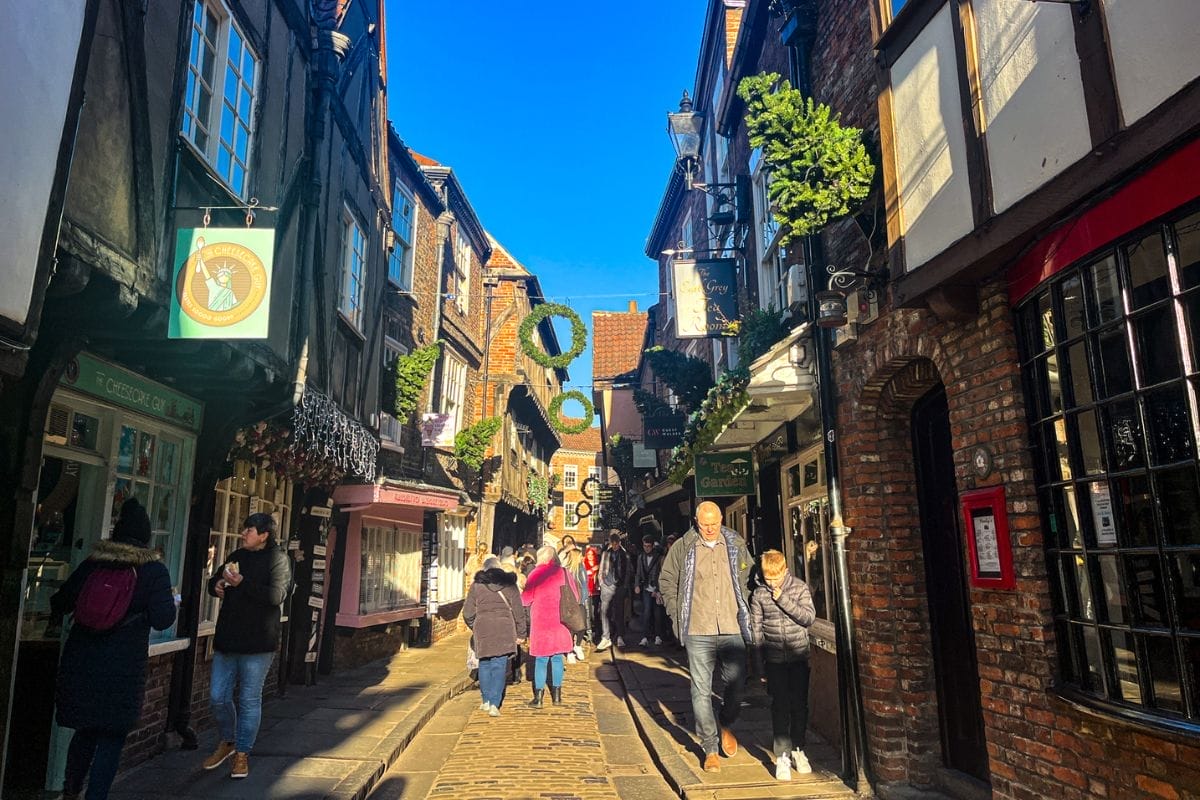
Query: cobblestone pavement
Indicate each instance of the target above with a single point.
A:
(585, 749)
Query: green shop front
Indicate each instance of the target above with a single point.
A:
(110, 434)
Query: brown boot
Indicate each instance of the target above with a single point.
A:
(712, 763)
(241, 765)
(224, 750)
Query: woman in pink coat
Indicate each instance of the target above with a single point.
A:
(549, 639)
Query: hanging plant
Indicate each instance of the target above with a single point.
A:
(820, 170)
(689, 377)
(724, 402)
(531, 348)
(409, 375)
(761, 329)
(272, 445)
(471, 443)
(539, 492)
(555, 411)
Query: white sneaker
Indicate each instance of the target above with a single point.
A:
(579, 654)
(604, 644)
(620, 641)
(571, 657)
(801, 761)
(485, 705)
(783, 768)
(644, 642)
(493, 711)
(657, 641)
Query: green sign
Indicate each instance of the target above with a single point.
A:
(121, 387)
(724, 474)
(222, 286)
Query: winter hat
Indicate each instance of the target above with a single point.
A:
(506, 552)
(133, 526)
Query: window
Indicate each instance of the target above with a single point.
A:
(452, 546)
(892, 7)
(404, 219)
(594, 474)
(570, 520)
(218, 109)
(594, 519)
(250, 490)
(1109, 359)
(570, 476)
(344, 370)
(807, 543)
(390, 428)
(354, 270)
(454, 390)
(772, 269)
(462, 271)
(390, 569)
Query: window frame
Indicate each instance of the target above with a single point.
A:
(391, 429)
(570, 518)
(352, 231)
(400, 260)
(454, 389)
(452, 548)
(212, 146)
(771, 268)
(462, 270)
(399, 553)
(573, 481)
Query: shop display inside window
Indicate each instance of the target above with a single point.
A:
(1109, 355)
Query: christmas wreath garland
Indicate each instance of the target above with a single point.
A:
(555, 410)
(540, 356)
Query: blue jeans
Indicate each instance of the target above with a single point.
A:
(704, 653)
(95, 753)
(651, 624)
(539, 671)
(249, 671)
(492, 674)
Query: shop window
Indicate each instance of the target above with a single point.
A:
(1108, 355)
(249, 490)
(807, 543)
(452, 545)
(218, 107)
(390, 569)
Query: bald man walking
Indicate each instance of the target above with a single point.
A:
(704, 584)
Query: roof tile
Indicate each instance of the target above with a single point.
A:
(616, 342)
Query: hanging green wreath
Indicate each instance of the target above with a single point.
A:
(555, 410)
(530, 348)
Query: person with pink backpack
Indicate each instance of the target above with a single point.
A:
(115, 596)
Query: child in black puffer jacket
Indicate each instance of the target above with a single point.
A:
(780, 613)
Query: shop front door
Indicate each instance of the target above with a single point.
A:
(955, 667)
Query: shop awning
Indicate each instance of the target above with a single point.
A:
(782, 386)
(355, 497)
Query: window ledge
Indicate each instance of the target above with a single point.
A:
(354, 329)
(168, 646)
(1123, 715)
(379, 617)
(211, 170)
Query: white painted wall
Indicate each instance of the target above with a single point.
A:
(1035, 117)
(1155, 50)
(37, 61)
(930, 145)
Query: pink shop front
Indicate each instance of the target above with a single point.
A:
(395, 560)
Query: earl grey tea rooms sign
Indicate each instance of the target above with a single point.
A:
(705, 297)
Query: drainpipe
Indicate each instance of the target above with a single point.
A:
(799, 31)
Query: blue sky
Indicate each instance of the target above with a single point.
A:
(553, 116)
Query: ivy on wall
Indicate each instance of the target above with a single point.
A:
(409, 375)
(471, 443)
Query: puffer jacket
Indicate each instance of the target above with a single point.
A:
(496, 625)
(779, 628)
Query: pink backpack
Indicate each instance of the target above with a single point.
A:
(104, 600)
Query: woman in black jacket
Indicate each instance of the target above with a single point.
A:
(252, 583)
(102, 674)
(497, 620)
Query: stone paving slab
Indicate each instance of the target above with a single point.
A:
(332, 741)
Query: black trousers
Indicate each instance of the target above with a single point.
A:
(788, 686)
(97, 752)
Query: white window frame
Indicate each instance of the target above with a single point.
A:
(570, 476)
(390, 428)
(462, 270)
(570, 520)
(452, 548)
(389, 569)
(772, 269)
(224, 133)
(454, 390)
(594, 473)
(400, 262)
(354, 269)
(594, 519)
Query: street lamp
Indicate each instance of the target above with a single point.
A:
(684, 128)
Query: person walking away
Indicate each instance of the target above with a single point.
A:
(703, 584)
(549, 639)
(591, 568)
(571, 560)
(117, 595)
(494, 614)
(252, 584)
(614, 585)
(781, 612)
(645, 586)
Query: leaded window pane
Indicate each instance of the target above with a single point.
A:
(1106, 292)
(1148, 280)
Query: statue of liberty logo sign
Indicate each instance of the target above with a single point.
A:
(222, 283)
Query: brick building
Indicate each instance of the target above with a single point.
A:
(577, 467)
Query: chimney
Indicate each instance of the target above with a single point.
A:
(633, 306)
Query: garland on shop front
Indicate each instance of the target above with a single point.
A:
(531, 348)
(471, 444)
(724, 402)
(271, 445)
(555, 410)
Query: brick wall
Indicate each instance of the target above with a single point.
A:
(582, 462)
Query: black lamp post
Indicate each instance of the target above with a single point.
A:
(684, 127)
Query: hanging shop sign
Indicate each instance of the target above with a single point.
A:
(436, 430)
(127, 389)
(725, 474)
(663, 431)
(705, 298)
(222, 286)
(644, 457)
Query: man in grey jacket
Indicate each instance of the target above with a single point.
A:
(704, 584)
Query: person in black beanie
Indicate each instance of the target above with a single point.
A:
(102, 673)
(252, 583)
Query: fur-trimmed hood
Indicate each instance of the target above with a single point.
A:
(495, 579)
(120, 554)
